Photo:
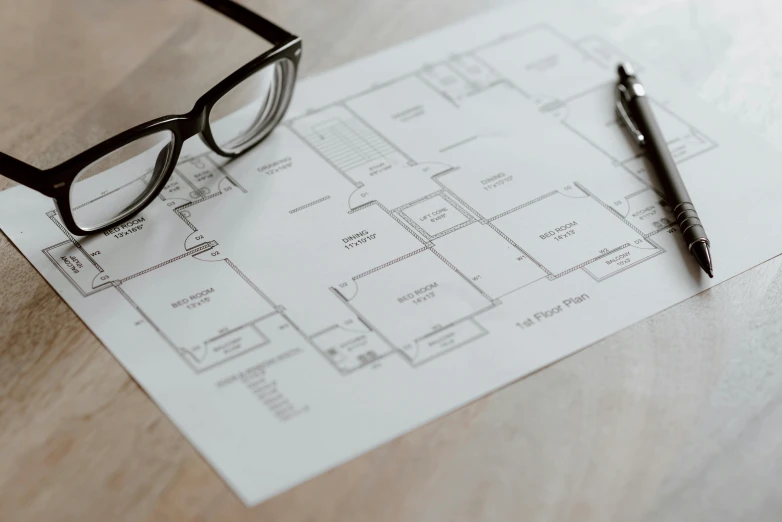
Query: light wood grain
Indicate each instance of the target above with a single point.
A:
(676, 418)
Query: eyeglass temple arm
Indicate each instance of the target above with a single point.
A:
(20, 172)
(255, 22)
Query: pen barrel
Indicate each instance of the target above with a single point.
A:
(656, 149)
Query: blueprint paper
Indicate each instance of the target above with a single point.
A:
(428, 224)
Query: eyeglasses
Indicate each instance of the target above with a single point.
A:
(117, 178)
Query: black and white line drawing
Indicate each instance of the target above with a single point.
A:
(432, 233)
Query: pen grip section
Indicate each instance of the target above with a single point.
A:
(689, 224)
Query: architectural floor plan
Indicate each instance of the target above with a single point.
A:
(417, 233)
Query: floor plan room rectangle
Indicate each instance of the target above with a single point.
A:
(207, 315)
(562, 232)
(435, 215)
(415, 297)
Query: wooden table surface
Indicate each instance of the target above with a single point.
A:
(677, 418)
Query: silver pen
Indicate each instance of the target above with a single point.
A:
(636, 114)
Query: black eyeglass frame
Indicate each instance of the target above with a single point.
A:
(56, 181)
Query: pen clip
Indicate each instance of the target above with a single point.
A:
(624, 115)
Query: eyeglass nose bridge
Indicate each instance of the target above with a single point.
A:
(196, 122)
(188, 125)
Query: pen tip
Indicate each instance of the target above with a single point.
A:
(700, 251)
